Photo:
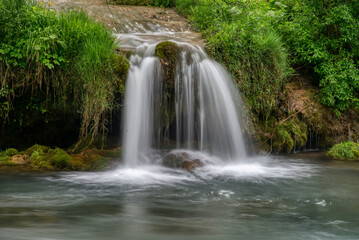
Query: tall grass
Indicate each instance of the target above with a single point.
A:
(67, 59)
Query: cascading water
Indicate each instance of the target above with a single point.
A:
(206, 107)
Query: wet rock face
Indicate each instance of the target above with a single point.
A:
(181, 160)
(167, 53)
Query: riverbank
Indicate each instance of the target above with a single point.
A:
(43, 158)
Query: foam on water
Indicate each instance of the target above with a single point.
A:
(263, 169)
(146, 175)
(260, 168)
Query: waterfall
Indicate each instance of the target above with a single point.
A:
(207, 107)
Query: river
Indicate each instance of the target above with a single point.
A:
(292, 197)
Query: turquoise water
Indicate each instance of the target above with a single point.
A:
(295, 197)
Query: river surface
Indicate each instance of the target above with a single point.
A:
(295, 197)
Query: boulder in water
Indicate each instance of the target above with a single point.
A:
(181, 160)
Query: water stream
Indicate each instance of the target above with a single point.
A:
(206, 107)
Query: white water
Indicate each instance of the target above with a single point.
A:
(207, 116)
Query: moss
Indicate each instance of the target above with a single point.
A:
(121, 67)
(5, 160)
(39, 159)
(290, 134)
(120, 64)
(167, 53)
(6, 156)
(38, 148)
(11, 152)
(99, 163)
(77, 163)
(298, 130)
(345, 151)
(44, 158)
(283, 142)
(93, 159)
(59, 158)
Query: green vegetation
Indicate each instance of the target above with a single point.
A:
(324, 37)
(40, 157)
(66, 65)
(345, 151)
(157, 3)
(6, 156)
(57, 63)
(167, 52)
(266, 44)
(242, 35)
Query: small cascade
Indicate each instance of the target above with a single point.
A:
(204, 113)
(141, 89)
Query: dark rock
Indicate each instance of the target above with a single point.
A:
(181, 160)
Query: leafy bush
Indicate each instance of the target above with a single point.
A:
(5, 156)
(11, 152)
(261, 41)
(68, 56)
(241, 35)
(324, 36)
(345, 151)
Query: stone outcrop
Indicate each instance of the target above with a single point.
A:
(181, 160)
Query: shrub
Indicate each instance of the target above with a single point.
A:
(324, 37)
(241, 35)
(68, 56)
(345, 151)
(11, 152)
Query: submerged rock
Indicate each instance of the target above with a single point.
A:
(181, 160)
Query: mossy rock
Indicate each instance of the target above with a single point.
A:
(6, 156)
(11, 152)
(59, 158)
(290, 134)
(283, 141)
(167, 53)
(40, 157)
(93, 159)
(37, 148)
(5, 160)
(77, 163)
(345, 151)
(44, 157)
(121, 67)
